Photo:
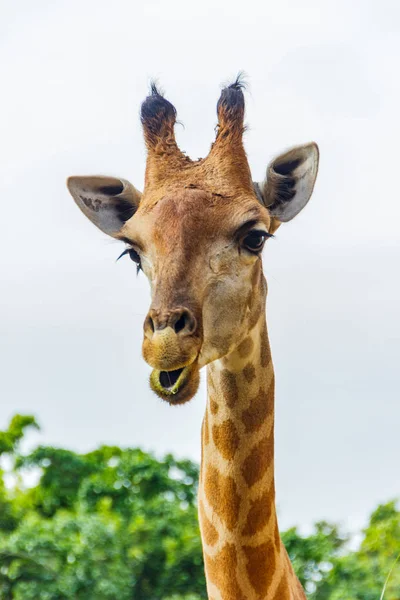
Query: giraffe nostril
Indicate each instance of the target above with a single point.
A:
(183, 322)
(149, 327)
(180, 323)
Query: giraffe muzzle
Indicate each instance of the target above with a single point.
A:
(171, 345)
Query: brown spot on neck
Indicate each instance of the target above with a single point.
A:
(249, 372)
(265, 349)
(222, 495)
(258, 461)
(261, 565)
(229, 388)
(259, 408)
(226, 439)
(259, 514)
(213, 406)
(221, 571)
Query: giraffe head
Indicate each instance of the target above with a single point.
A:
(197, 232)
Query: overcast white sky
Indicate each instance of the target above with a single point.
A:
(73, 75)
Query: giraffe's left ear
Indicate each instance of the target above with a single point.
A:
(289, 182)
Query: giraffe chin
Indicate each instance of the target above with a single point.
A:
(176, 386)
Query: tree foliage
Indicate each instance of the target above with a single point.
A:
(120, 523)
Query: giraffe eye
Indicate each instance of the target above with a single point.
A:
(255, 240)
(133, 255)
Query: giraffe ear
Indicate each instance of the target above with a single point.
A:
(107, 201)
(289, 182)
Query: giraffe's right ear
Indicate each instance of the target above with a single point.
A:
(107, 201)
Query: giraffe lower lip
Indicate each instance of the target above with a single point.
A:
(168, 384)
(176, 386)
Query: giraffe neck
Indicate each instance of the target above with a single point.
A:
(243, 553)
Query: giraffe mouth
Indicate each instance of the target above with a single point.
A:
(176, 386)
(168, 379)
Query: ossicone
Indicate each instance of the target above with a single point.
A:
(158, 117)
(230, 108)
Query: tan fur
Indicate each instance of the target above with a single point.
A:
(208, 308)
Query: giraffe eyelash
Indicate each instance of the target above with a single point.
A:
(134, 256)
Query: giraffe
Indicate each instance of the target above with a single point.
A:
(197, 232)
